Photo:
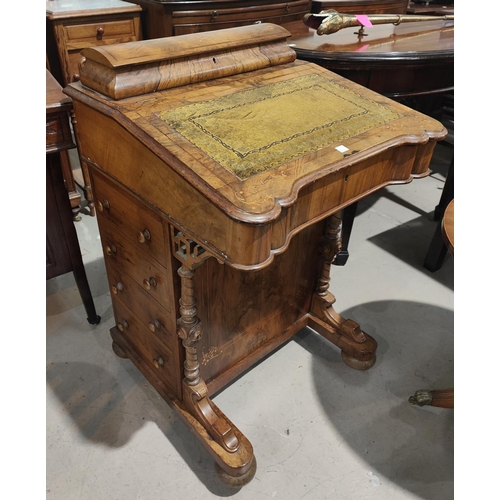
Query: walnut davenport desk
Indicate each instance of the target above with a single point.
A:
(221, 166)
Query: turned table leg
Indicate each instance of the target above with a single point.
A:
(358, 348)
(233, 455)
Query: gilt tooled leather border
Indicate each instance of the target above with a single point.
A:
(255, 130)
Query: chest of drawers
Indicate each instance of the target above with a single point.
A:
(179, 17)
(73, 26)
(136, 243)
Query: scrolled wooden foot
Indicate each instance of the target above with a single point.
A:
(237, 481)
(197, 402)
(358, 348)
(118, 350)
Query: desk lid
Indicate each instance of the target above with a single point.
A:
(249, 142)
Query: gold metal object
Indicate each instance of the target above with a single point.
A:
(421, 398)
(331, 21)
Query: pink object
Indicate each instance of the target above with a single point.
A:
(364, 21)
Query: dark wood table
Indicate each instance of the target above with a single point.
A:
(361, 6)
(400, 62)
(430, 9)
(442, 398)
(63, 252)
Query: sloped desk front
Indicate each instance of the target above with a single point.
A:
(221, 167)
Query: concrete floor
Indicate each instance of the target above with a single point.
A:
(319, 429)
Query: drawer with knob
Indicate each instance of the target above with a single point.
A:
(155, 353)
(70, 31)
(157, 319)
(129, 257)
(132, 218)
(192, 21)
(105, 31)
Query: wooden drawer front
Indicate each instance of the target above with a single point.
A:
(79, 36)
(58, 133)
(157, 355)
(127, 256)
(223, 18)
(154, 317)
(134, 219)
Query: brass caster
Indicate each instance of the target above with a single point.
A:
(239, 481)
(356, 363)
(421, 398)
(118, 350)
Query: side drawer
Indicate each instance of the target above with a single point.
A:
(158, 319)
(134, 219)
(57, 132)
(161, 360)
(205, 20)
(100, 33)
(125, 255)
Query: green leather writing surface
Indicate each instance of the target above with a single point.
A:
(255, 130)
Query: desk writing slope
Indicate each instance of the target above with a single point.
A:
(221, 167)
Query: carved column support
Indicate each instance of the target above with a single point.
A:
(358, 348)
(189, 328)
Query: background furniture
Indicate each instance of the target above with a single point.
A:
(179, 17)
(438, 247)
(219, 202)
(72, 25)
(361, 6)
(443, 398)
(62, 248)
(430, 8)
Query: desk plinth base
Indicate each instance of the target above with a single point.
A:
(218, 344)
(235, 469)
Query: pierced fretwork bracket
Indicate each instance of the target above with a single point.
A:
(190, 253)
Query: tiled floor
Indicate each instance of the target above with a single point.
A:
(319, 429)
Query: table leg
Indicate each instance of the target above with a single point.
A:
(233, 452)
(358, 348)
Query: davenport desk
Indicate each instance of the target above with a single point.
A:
(221, 166)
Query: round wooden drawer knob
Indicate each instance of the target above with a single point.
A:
(158, 362)
(154, 325)
(117, 288)
(144, 235)
(148, 283)
(110, 249)
(122, 325)
(101, 205)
